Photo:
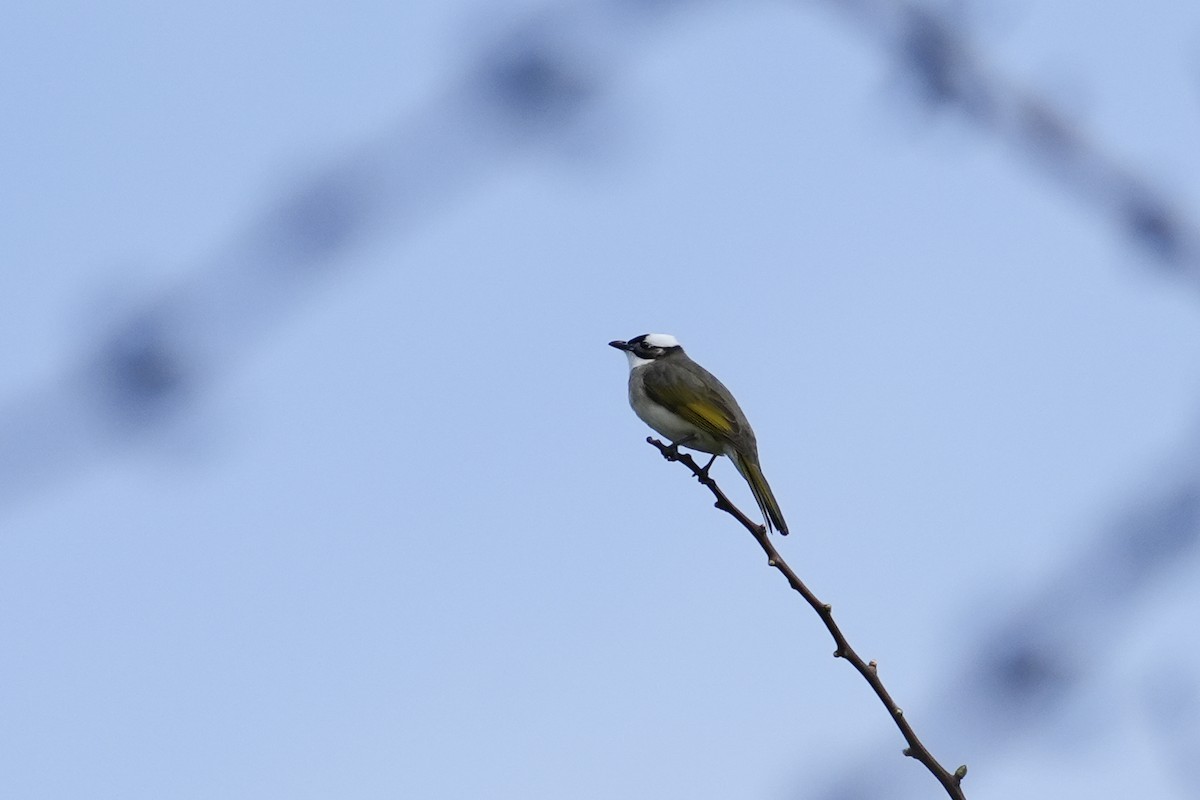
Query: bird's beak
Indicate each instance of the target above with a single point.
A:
(620, 345)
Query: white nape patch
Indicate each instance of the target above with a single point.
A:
(661, 340)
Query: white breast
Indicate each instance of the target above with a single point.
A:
(666, 423)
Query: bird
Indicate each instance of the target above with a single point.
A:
(686, 403)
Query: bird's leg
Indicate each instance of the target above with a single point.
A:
(674, 448)
(704, 472)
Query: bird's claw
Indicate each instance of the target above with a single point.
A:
(671, 451)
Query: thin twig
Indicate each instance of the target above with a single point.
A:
(951, 781)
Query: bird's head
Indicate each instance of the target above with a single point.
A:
(641, 350)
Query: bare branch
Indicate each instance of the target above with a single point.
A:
(951, 781)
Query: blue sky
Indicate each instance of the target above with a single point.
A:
(391, 530)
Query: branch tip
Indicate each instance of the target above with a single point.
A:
(870, 671)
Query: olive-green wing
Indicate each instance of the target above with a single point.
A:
(693, 398)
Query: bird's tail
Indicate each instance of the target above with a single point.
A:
(752, 472)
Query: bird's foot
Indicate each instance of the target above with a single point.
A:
(672, 452)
